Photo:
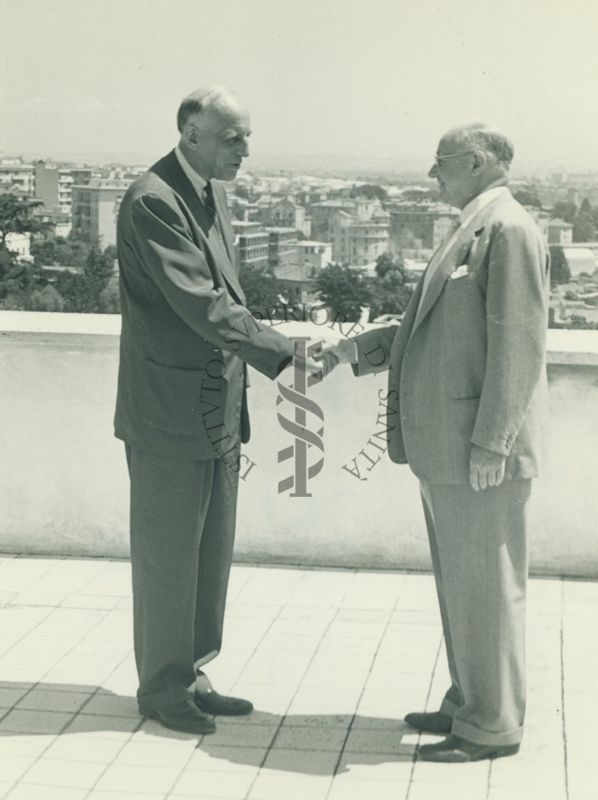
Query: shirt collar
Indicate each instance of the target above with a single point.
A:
(479, 202)
(198, 183)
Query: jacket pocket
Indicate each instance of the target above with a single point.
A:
(171, 398)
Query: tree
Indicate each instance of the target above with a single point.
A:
(262, 289)
(577, 322)
(109, 299)
(370, 191)
(344, 289)
(16, 216)
(565, 209)
(17, 281)
(61, 252)
(583, 227)
(46, 299)
(559, 267)
(82, 291)
(390, 290)
(528, 196)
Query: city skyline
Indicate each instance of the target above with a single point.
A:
(318, 77)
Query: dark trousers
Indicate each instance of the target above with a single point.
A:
(478, 543)
(183, 517)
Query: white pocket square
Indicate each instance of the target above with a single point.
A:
(459, 272)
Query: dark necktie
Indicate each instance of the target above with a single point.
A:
(209, 202)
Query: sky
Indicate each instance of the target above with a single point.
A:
(351, 78)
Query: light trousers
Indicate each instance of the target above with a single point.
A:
(478, 544)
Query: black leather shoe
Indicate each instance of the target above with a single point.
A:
(430, 721)
(211, 702)
(454, 750)
(183, 716)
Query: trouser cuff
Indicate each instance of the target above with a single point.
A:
(472, 733)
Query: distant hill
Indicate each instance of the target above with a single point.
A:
(325, 164)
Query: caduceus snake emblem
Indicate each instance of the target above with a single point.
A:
(303, 437)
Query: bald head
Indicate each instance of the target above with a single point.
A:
(214, 129)
(202, 100)
(471, 158)
(484, 136)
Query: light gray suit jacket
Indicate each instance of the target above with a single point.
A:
(468, 366)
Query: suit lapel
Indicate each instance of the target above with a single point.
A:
(221, 255)
(455, 256)
(225, 240)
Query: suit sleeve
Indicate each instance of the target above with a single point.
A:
(193, 289)
(516, 322)
(373, 350)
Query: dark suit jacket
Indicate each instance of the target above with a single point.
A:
(468, 367)
(186, 332)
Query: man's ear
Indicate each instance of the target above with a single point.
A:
(191, 136)
(480, 162)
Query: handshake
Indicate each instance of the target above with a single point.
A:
(344, 351)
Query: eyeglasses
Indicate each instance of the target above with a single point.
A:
(438, 159)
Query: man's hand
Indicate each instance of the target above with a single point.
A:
(321, 367)
(486, 468)
(343, 351)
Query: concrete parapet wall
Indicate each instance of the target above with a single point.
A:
(64, 485)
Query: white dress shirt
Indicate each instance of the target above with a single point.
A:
(198, 183)
(468, 214)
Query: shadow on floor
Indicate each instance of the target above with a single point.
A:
(301, 743)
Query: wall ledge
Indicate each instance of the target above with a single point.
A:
(563, 347)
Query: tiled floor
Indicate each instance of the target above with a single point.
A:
(332, 660)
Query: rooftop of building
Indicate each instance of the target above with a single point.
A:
(332, 659)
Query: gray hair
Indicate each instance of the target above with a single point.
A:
(198, 101)
(487, 137)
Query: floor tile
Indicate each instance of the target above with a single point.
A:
(103, 727)
(375, 741)
(80, 747)
(227, 759)
(34, 721)
(239, 735)
(376, 767)
(343, 789)
(528, 793)
(103, 795)
(42, 700)
(214, 784)
(131, 778)
(26, 791)
(111, 705)
(453, 791)
(12, 768)
(157, 755)
(305, 738)
(279, 786)
(52, 772)
(449, 774)
(10, 697)
(308, 762)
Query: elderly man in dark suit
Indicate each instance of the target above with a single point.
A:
(181, 407)
(467, 380)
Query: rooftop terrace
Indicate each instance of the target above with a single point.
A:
(332, 659)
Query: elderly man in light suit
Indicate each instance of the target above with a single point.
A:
(181, 407)
(467, 377)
